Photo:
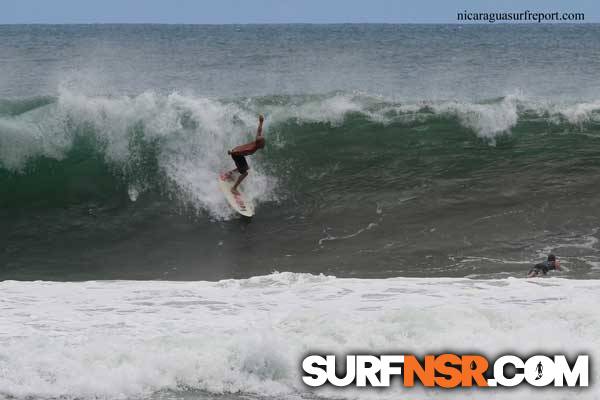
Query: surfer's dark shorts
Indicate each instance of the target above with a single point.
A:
(241, 164)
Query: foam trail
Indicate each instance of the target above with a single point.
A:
(130, 339)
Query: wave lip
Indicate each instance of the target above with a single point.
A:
(130, 339)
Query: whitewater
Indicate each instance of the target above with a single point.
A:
(125, 339)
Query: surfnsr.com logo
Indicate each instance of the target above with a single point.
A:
(446, 371)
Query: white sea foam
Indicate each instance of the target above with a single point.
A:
(128, 339)
(332, 110)
(580, 112)
(39, 132)
(487, 120)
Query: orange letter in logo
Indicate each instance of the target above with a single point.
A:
(473, 368)
(452, 375)
(412, 367)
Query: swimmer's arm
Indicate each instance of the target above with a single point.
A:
(557, 265)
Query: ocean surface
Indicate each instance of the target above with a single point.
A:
(411, 177)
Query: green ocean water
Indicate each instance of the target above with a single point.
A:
(393, 150)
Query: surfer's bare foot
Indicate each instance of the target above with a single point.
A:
(235, 191)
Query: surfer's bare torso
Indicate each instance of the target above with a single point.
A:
(239, 154)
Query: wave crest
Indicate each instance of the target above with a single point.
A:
(182, 140)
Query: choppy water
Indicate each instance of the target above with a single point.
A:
(434, 152)
(392, 150)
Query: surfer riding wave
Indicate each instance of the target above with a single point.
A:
(239, 154)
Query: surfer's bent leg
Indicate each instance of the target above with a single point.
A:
(240, 163)
(240, 179)
(242, 168)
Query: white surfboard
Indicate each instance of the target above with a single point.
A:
(238, 202)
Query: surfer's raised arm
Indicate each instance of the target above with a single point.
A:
(239, 154)
(259, 131)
